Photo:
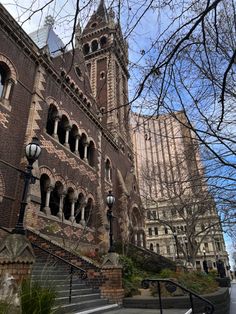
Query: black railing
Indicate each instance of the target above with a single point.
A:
(171, 286)
(73, 269)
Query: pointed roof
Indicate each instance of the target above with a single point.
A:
(100, 17)
(101, 10)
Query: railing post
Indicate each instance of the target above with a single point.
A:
(191, 301)
(159, 293)
(71, 278)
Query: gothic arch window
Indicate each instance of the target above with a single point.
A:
(103, 41)
(52, 115)
(108, 170)
(151, 247)
(44, 186)
(62, 127)
(94, 45)
(86, 49)
(91, 154)
(158, 248)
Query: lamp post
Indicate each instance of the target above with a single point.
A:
(32, 152)
(176, 243)
(205, 266)
(110, 202)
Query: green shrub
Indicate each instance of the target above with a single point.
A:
(36, 299)
(128, 266)
(167, 273)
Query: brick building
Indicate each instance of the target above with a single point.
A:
(67, 99)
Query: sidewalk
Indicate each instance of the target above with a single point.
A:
(233, 297)
(148, 311)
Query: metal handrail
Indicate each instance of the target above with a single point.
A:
(209, 307)
(73, 268)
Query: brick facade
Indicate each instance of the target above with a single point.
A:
(58, 93)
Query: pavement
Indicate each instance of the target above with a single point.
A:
(148, 311)
(233, 297)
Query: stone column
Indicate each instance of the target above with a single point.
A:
(141, 240)
(111, 287)
(135, 238)
(60, 213)
(8, 88)
(67, 137)
(77, 144)
(82, 221)
(72, 212)
(56, 121)
(86, 151)
(47, 209)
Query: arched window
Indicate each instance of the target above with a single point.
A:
(82, 143)
(103, 41)
(55, 198)
(6, 81)
(72, 138)
(52, 114)
(88, 212)
(86, 49)
(67, 203)
(44, 185)
(158, 248)
(62, 126)
(94, 45)
(91, 154)
(151, 247)
(79, 208)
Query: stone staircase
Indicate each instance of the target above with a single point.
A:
(83, 300)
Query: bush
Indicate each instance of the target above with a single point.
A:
(128, 266)
(36, 299)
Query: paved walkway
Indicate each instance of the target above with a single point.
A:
(233, 297)
(147, 311)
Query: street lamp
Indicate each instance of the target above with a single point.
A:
(32, 152)
(176, 243)
(110, 202)
(205, 266)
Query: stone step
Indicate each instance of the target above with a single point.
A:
(83, 305)
(77, 298)
(65, 292)
(110, 308)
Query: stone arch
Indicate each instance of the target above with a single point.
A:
(2, 187)
(50, 100)
(70, 184)
(10, 65)
(45, 170)
(58, 177)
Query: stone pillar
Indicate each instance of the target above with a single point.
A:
(8, 89)
(47, 209)
(72, 212)
(111, 288)
(135, 238)
(60, 213)
(86, 151)
(141, 240)
(67, 137)
(82, 221)
(77, 145)
(56, 121)
(16, 260)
